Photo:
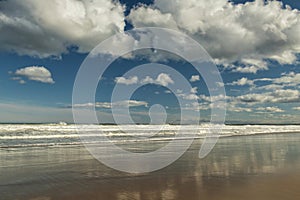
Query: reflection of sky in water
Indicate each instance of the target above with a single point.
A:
(251, 155)
(234, 164)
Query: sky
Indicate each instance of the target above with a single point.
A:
(254, 44)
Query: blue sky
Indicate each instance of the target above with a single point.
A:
(255, 44)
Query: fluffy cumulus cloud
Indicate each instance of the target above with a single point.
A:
(246, 35)
(127, 81)
(162, 79)
(50, 28)
(242, 37)
(195, 78)
(33, 73)
(242, 82)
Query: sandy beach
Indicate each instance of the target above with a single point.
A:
(242, 167)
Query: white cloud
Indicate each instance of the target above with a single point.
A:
(277, 96)
(162, 79)
(195, 106)
(250, 65)
(214, 98)
(22, 81)
(220, 84)
(17, 78)
(194, 90)
(192, 95)
(179, 91)
(48, 28)
(296, 108)
(34, 73)
(242, 82)
(127, 81)
(189, 96)
(270, 109)
(195, 78)
(230, 106)
(238, 109)
(121, 104)
(290, 79)
(255, 62)
(142, 15)
(246, 33)
(246, 69)
(270, 87)
(245, 103)
(147, 80)
(126, 103)
(82, 105)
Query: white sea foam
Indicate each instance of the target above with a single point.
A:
(15, 135)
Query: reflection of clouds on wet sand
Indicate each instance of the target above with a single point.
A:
(251, 155)
(249, 167)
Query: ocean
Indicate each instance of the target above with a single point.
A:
(38, 135)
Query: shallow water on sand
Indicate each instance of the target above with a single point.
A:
(242, 167)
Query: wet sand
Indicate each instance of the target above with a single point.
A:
(249, 167)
